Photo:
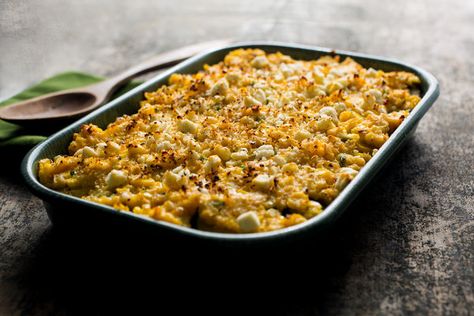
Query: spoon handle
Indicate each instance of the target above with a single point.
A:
(76, 102)
(160, 61)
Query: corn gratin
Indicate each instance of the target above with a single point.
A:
(255, 143)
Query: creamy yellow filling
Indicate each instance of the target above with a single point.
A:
(255, 143)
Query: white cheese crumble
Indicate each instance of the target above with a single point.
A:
(212, 163)
(329, 111)
(259, 62)
(89, 152)
(344, 176)
(263, 182)
(251, 101)
(221, 87)
(302, 135)
(187, 126)
(248, 222)
(264, 151)
(116, 178)
(242, 154)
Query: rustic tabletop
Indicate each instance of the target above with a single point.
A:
(407, 245)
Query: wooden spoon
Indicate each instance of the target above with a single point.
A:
(73, 103)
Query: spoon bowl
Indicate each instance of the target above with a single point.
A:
(49, 107)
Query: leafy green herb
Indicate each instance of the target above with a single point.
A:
(217, 203)
(342, 159)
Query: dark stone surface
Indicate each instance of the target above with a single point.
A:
(406, 247)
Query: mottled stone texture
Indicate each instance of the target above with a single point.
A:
(406, 247)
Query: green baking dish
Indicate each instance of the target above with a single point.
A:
(74, 212)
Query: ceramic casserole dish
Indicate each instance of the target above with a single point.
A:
(71, 211)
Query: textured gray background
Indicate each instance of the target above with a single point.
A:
(405, 248)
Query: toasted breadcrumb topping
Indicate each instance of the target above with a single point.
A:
(255, 143)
